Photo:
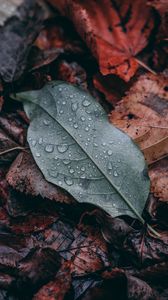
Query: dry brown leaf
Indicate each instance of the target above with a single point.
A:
(143, 114)
(115, 31)
(160, 5)
(25, 177)
(159, 180)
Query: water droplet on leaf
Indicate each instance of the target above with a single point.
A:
(83, 119)
(66, 162)
(53, 173)
(83, 176)
(40, 141)
(75, 126)
(74, 106)
(109, 166)
(38, 154)
(34, 142)
(115, 174)
(62, 148)
(109, 152)
(68, 181)
(49, 148)
(46, 122)
(86, 103)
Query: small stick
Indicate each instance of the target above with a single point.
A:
(12, 149)
(145, 66)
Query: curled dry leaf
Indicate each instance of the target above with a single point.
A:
(115, 31)
(143, 114)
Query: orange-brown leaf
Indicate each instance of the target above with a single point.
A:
(143, 114)
(115, 31)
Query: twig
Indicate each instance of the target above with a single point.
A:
(145, 66)
(12, 149)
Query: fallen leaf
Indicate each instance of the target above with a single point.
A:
(8, 9)
(153, 273)
(60, 35)
(111, 86)
(59, 287)
(87, 253)
(70, 130)
(143, 114)
(25, 177)
(110, 288)
(16, 38)
(114, 31)
(145, 250)
(8, 148)
(114, 230)
(159, 180)
(6, 281)
(72, 73)
(160, 5)
(38, 268)
(14, 127)
(12, 249)
(1, 96)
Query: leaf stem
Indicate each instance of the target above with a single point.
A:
(152, 230)
(141, 63)
(12, 149)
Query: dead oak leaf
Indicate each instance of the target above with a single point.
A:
(143, 114)
(115, 31)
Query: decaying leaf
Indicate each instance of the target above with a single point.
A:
(133, 288)
(25, 177)
(143, 114)
(17, 36)
(160, 5)
(159, 180)
(113, 87)
(76, 148)
(8, 9)
(39, 267)
(115, 31)
(144, 250)
(59, 287)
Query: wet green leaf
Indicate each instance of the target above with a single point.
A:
(77, 149)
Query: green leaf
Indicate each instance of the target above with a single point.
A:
(77, 149)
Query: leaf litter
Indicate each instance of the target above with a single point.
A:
(41, 226)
